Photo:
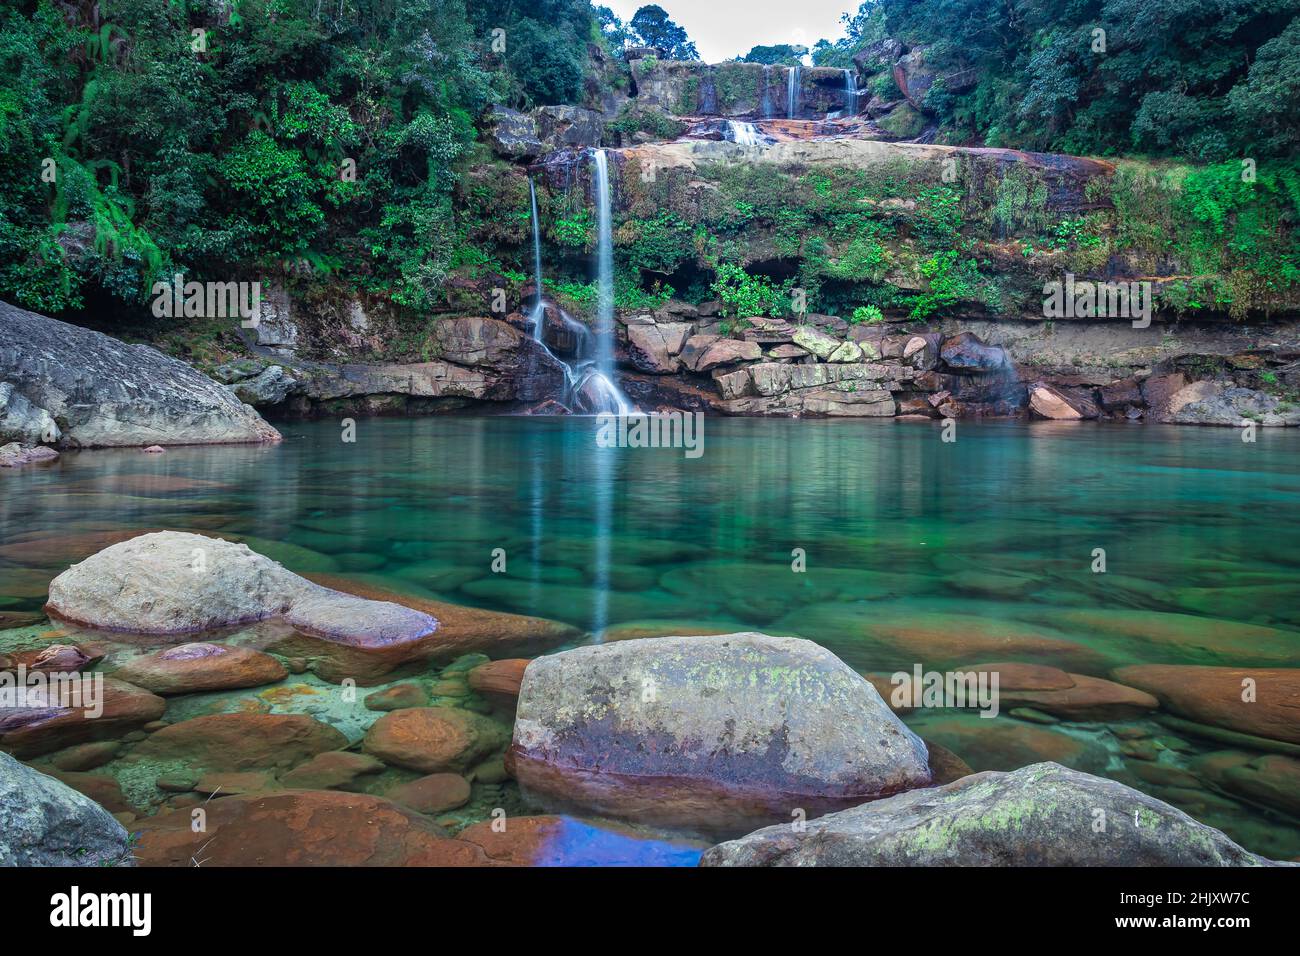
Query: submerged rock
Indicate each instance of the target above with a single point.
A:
(108, 393)
(565, 841)
(47, 823)
(193, 668)
(1261, 701)
(710, 733)
(1042, 815)
(236, 742)
(14, 455)
(303, 828)
(434, 739)
(70, 713)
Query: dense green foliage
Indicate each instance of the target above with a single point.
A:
(1192, 78)
(781, 54)
(288, 137)
(652, 26)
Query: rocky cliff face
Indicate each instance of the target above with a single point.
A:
(64, 385)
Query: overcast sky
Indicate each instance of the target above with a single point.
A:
(723, 29)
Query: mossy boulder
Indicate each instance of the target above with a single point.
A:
(1041, 815)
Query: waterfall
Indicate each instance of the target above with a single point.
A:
(539, 309)
(851, 92)
(792, 93)
(604, 383)
(744, 134)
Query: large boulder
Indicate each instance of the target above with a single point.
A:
(511, 134)
(711, 733)
(103, 392)
(1040, 815)
(1233, 406)
(172, 583)
(46, 823)
(655, 348)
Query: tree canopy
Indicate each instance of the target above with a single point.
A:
(653, 27)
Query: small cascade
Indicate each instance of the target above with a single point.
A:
(602, 383)
(743, 134)
(538, 314)
(850, 92)
(792, 93)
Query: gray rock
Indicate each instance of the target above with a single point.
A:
(14, 455)
(1234, 406)
(1040, 815)
(269, 387)
(23, 422)
(46, 823)
(103, 392)
(709, 733)
(512, 134)
(559, 127)
(818, 343)
(276, 327)
(173, 582)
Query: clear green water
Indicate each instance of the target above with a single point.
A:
(917, 551)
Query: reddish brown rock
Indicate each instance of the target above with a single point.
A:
(499, 681)
(86, 756)
(434, 739)
(66, 658)
(1047, 401)
(192, 668)
(100, 787)
(398, 697)
(433, 794)
(65, 717)
(945, 766)
(1065, 695)
(1214, 695)
(1014, 675)
(242, 741)
(332, 770)
(302, 828)
(1273, 781)
(233, 783)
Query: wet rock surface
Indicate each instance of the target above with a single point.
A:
(103, 392)
(1041, 815)
(46, 823)
(738, 727)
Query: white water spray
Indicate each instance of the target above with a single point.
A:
(604, 380)
(792, 93)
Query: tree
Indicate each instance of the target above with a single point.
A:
(781, 54)
(653, 27)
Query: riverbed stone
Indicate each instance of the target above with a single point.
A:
(302, 828)
(707, 732)
(198, 667)
(242, 741)
(1221, 696)
(60, 716)
(434, 739)
(44, 822)
(433, 793)
(1041, 815)
(332, 770)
